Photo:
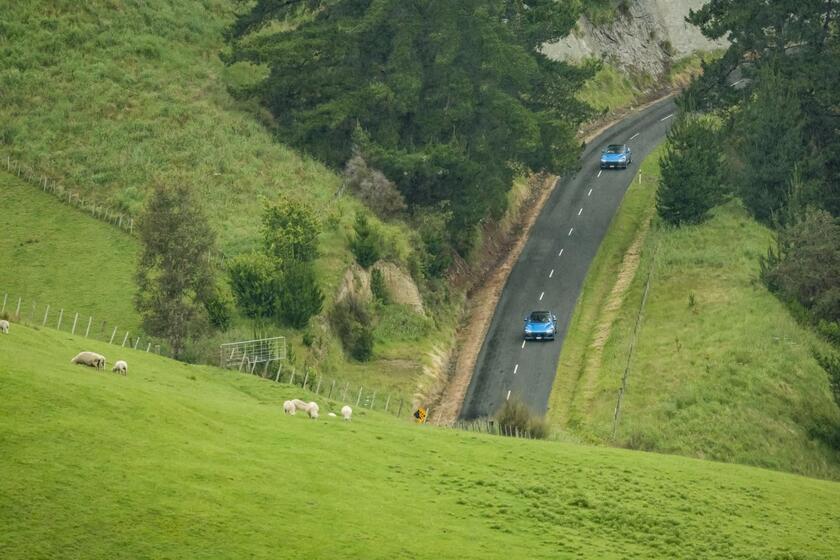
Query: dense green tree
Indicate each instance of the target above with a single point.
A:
(290, 230)
(365, 242)
(300, 296)
(691, 179)
(175, 276)
(255, 282)
(448, 99)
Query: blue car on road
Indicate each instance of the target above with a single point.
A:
(540, 325)
(616, 155)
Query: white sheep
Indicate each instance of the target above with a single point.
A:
(4, 326)
(331, 414)
(346, 412)
(289, 408)
(121, 367)
(91, 359)
(312, 409)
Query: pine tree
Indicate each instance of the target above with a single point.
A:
(365, 242)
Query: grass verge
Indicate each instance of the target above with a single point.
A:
(720, 369)
(177, 461)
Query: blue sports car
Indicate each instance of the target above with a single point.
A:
(616, 155)
(540, 325)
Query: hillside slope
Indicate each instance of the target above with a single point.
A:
(720, 370)
(175, 461)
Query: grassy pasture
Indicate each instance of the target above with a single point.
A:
(177, 461)
(720, 370)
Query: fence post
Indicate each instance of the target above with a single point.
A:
(292, 377)
(148, 347)
(318, 386)
(305, 379)
(388, 400)
(372, 400)
(60, 316)
(75, 319)
(87, 330)
(113, 334)
(359, 398)
(46, 313)
(136, 342)
(279, 367)
(125, 338)
(331, 389)
(344, 393)
(4, 303)
(17, 313)
(399, 411)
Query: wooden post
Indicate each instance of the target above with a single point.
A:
(87, 330)
(17, 312)
(4, 303)
(318, 386)
(60, 316)
(399, 410)
(136, 342)
(125, 339)
(305, 379)
(388, 400)
(148, 347)
(75, 320)
(331, 389)
(279, 368)
(372, 400)
(113, 334)
(46, 313)
(292, 377)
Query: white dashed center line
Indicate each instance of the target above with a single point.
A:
(666, 118)
(635, 135)
(541, 296)
(523, 344)
(580, 211)
(508, 396)
(599, 173)
(590, 192)
(570, 231)
(738, 82)
(550, 274)
(560, 254)
(515, 369)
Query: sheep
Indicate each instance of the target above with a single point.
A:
(121, 367)
(91, 359)
(347, 412)
(4, 326)
(299, 404)
(289, 408)
(312, 409)
(331, 414)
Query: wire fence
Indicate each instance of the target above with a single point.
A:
(50, 185)
(492, 427)
(633, 339)
(33, 314)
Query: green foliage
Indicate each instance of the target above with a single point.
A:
(174, 275)
(515, 416)
(256, 286)
(365, 242)
(219, 307)
(436, 257)
(378, 287)
(290, 230)
(830, 362)
(805, 265)
(690, 183)
(300, 297)
(353, 323)
(448, 99)
(171, 438)
(372, 187)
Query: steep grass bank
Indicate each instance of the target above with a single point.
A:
(720, 369)
(178, 461)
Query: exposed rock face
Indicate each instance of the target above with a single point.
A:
(401, 287)
(642, 38)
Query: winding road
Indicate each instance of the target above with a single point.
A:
(552, 268)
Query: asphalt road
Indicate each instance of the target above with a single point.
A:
(552, 268)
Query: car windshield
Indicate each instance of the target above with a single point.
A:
(540, 317)
(615, 149)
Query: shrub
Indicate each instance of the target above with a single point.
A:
(377, 286)
(351, 321)
(255, 283)
(219, 308)
(300, 297)
(372, 187)
(365, 242)
(515, 415)
(290, 230)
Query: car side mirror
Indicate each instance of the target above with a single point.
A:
(553, 317)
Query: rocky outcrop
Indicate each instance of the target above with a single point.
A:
(644, 37)
(400, 286)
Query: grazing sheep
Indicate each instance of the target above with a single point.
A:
(347, 412)
(312, 409)
(4, 326)
(299, 404)
(91, 359)
(289, 408)
(121, 367)
(331, 414)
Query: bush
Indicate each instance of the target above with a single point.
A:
(290, 230)
(378, 288)
(219, 308)
(691, 179)
(300, 297)
(365, 243)
(255, 283)
(351, 321)
(515, 415)
(373, 188)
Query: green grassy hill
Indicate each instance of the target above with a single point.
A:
(177, 461)
(720, 369)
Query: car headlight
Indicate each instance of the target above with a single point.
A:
(527, 329)
(623, 158)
